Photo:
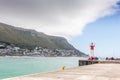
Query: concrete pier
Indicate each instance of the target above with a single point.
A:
(89, 72)
(86, 62)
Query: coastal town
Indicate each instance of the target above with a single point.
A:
(13, 50)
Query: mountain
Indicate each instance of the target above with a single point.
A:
(27, 38)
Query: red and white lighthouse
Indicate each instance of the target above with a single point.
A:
(92, 50)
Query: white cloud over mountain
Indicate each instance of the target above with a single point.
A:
(65, 18)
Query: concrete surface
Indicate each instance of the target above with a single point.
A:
(89, 72)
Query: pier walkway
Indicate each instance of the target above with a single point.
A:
(88, 72)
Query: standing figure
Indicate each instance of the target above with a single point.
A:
(92, 50)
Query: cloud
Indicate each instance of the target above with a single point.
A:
(65, 18)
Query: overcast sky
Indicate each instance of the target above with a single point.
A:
(65, 18)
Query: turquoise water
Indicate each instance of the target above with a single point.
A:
(18, 66)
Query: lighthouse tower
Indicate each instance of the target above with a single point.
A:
(92, 50)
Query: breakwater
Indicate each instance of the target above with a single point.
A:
(87, 62)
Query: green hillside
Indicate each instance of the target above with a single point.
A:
(31, 38)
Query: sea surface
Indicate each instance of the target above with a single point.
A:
(19, 66)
